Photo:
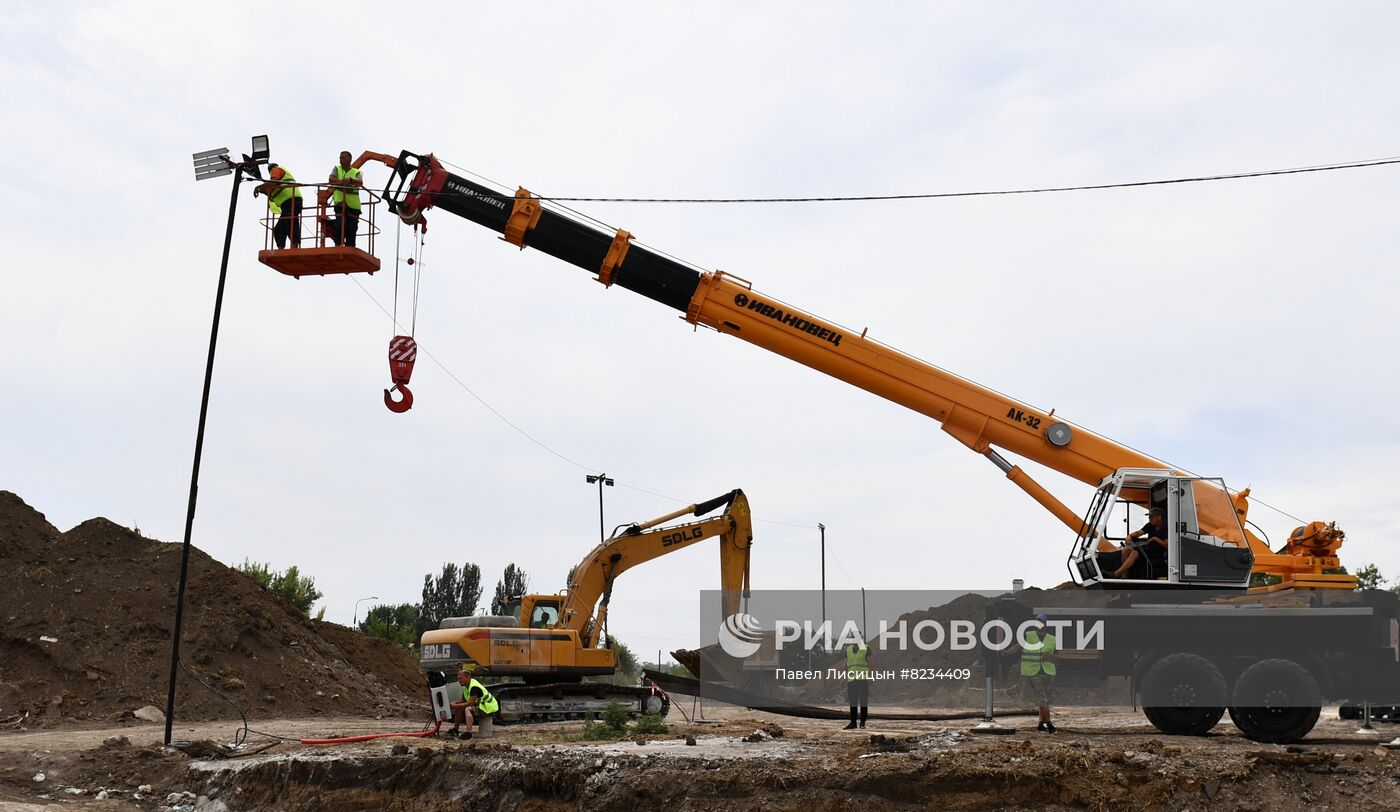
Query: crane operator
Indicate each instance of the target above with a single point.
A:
(1155, 545)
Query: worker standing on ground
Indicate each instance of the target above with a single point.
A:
(477, 704)
(345, 188)
(858, 681)
(284, 202)
(1038, 668)
(1155, 532)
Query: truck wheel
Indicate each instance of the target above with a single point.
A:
(1346, 710)
(1291, 702)
(1183, 694)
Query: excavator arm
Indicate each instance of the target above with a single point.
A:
(585, 606)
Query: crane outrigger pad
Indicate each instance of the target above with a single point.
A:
(299, 262)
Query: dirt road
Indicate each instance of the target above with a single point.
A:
(1106, 759)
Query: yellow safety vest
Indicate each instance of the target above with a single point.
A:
(857, 667)
(487, 703)
(283, 193)
(352, 199)
(1035, 658)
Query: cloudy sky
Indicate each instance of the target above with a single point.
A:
(1242, 329)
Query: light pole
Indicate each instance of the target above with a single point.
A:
(601, 479)
(822, 528)
(356, 621)
(212, 163)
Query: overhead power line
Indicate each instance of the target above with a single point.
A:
(1297, 170)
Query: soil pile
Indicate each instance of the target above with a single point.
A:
(86, 619)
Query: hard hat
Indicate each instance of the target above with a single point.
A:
(1042, 617)
(277, 173)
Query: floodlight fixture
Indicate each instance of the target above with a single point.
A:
(212, 163)
(261, 150)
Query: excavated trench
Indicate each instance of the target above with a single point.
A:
(502, 778)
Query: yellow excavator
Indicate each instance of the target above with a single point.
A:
(551, 642)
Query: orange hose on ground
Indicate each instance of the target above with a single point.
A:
(348, 739)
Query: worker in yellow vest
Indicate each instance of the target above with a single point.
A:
(346, 184)
(477, 704)
(858, 681)
(283, 202)
(1038, 668)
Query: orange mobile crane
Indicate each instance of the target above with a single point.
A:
(551, 642)
(1321, 640)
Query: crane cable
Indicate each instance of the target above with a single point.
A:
(398, 257)
(417, 281)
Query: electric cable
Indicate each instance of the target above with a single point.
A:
(988, 192)
(241, 735)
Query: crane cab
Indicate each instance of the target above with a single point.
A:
(1205, 544)
(322, 249)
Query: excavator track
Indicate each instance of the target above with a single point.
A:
(563, 701)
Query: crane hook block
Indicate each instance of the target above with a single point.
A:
(403, 351)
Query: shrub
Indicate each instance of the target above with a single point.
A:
(615, 716)
(650, 723)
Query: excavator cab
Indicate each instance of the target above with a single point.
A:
(1206, 545)
(544, 612)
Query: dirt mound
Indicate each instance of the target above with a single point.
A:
(87, 618)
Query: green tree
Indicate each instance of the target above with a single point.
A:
(628, 669)
(514, 583)
(289, 585)
(395, 623)
(455, 592)
(1369, 577)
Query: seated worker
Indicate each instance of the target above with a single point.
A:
(1155, 542)
(477, 703)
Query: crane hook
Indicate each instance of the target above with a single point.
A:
(398, 406)
(403, 351)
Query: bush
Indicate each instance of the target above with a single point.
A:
(615, 716)
(593, 731)
(650, 723)
(291, 585)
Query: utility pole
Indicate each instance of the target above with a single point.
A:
(208, 164)
(601, 479)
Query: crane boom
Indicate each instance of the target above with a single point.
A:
(978, 417)
(1208, 541)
